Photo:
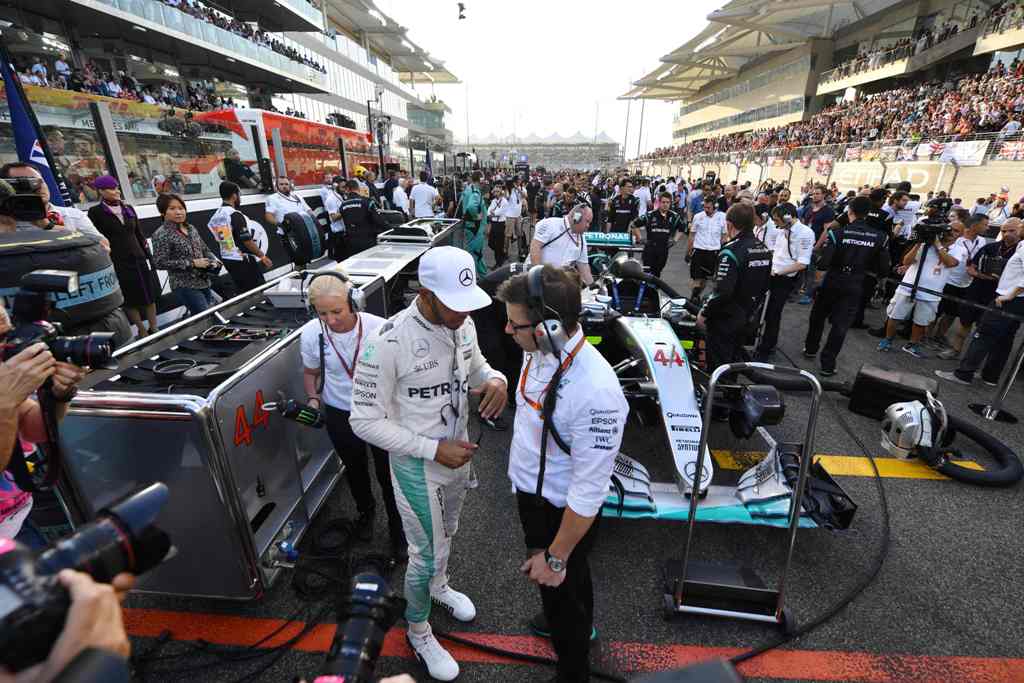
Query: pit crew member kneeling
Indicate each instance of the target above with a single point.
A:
(570, 413)
(413, 378)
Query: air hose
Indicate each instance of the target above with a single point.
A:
(1008, 473)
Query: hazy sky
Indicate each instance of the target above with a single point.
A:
(546, 66)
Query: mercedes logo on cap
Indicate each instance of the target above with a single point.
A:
(466, 277)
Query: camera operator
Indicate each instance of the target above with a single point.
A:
(114, 319)
(93, 632)
(982, 289)
(993, 340)
(969, 240)
(942, 256)
(562, 454)
(741, 284)
(67, 217)
(414, 377)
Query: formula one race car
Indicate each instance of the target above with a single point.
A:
(648, 333)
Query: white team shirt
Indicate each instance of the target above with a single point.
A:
(562, 247)
(1013, 275)
(909, 217)
(332, 202)
(794, 247)
(643, 193)
(281, 206)
(707, 230)
(423, 196)
(337, 391)
(590, 416)
(400, 199)
(933, 277)
(76, 219)
(958, 276)
(767, 233)
(515, 204)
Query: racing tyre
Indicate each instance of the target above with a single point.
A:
(303, 237)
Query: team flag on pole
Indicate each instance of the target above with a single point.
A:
(28, 135)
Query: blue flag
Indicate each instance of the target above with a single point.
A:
(28, 136)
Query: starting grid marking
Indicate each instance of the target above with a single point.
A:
(783, 664)
(847, 465)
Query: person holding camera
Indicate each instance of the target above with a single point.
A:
(178, 249)
(66, 217)
(968, 230)
(330, 346)
(920, 291)
(85, 254)
(564, 444)
(414, 378)
(129, 251)
(993, 340)
(849, 252)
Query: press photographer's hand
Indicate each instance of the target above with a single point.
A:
(26, 371)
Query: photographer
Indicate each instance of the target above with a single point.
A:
(178, 249)
(970, 241)
(942, 256)
(561, 457)
(99, 312)
(93, 632)
(67, 217)
(992, 342)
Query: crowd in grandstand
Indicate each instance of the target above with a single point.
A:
(978, 103)
(243, 29)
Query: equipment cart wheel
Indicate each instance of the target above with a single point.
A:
(788, 623)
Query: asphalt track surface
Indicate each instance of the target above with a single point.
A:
(946, 606)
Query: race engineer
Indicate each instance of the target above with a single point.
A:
(560, 492)
(560, 242)
(846, 256)
(330, 345)
(741, 284)
(623, 209)
(664, 229)
(410, 398)
(706, 235)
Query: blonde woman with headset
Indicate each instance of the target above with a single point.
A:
(330, 346)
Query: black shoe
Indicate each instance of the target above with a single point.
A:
(763, 356)
(828, 372)
(364, 525)
(539, 627)
(877, 331)
(810, 354)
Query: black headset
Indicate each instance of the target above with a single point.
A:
(356, 298)
(549, 333)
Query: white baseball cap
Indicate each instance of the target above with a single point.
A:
(450, 273)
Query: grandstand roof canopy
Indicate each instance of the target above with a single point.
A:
(412, 62)
(744, 30)
(578, 138)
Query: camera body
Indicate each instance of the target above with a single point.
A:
(34, 605)
(929, 229)
(30, 325)
(25, 204)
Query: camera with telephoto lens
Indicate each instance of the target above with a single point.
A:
(33, 603)
(364, 617)
(30, 325)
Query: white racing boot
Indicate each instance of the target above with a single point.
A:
(455, 603)
(440, 665)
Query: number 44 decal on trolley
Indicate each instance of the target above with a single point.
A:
(661, 357)
(243, 428)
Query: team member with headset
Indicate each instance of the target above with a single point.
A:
(570, 414)
(330, 345)
(664, 229)
(560, 242)
(410, 398)
(791, 255)
(741, 283)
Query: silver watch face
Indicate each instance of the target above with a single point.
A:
(555, 564)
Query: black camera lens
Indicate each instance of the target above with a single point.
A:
(86, 351)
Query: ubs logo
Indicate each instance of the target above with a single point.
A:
(466, 278)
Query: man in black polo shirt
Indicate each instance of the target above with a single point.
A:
(664, 229)
(623, 209)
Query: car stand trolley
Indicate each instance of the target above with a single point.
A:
(695, 587)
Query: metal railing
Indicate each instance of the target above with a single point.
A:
(868, 63)
(310, 13)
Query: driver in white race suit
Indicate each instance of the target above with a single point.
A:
(410, 397)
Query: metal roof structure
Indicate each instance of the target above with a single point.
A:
(388, 37)
(743, 31)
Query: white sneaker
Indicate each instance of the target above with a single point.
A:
(457, 604)
(440, 665)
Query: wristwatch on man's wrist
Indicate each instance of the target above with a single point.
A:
(555, 564)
